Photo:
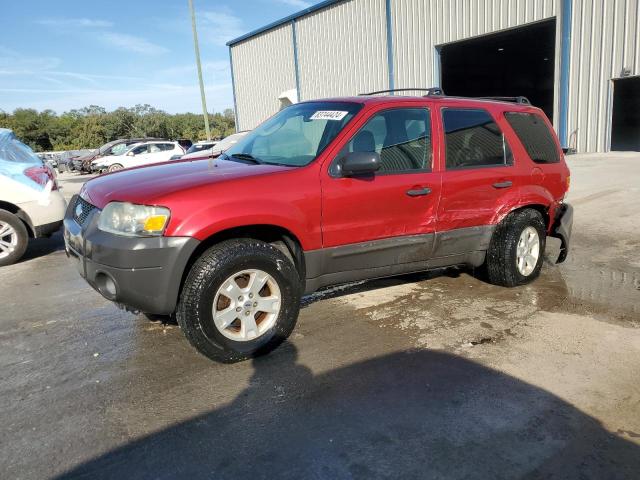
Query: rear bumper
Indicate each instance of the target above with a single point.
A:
(43, 214)
(561, 229)
(141, 273)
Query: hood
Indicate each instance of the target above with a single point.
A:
(149, 184)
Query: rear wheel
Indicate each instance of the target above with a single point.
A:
(515, 255)
(114, 168)
(240, 299)
(13, 238)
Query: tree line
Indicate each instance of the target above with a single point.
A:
(92, 126)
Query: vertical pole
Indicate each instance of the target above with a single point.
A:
(197, 49)
(233, 87)
(390, 66)
(437, 66)
(565, 58)
(296, 65)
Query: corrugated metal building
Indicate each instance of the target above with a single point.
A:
(579, 60)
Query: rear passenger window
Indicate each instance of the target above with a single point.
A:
(473, 139)
(535, 136)
(401, 136)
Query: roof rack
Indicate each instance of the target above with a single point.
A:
(519, 99)
(430, 91)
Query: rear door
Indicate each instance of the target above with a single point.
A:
(389, 216)
(479, 175)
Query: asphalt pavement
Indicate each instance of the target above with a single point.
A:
(434, 375)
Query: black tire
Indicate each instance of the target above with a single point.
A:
(21, 234)
(112, 168)
(194, 312)
(501, 264)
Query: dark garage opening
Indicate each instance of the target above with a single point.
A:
(625, 125)
(511, 63)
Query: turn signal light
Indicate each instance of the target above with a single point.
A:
(155, 223)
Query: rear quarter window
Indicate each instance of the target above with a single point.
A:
(535, 136)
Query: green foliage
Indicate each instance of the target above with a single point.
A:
(92, 126)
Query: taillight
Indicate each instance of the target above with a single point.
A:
(42, 175)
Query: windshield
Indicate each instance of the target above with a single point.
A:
(103, 149)
(13, 150)
(296, 135)
(119, 149)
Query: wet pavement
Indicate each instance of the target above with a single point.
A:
(435, 375)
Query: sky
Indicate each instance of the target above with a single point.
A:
(66, 54)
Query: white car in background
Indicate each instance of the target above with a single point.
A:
(31, 206)
(196, 148)
(139, 154)
(216, 149)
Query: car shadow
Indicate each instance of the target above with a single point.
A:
(410, 414)
(40, 247)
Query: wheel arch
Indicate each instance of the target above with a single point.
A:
(280, 237)
(539, 207)
(21, 214)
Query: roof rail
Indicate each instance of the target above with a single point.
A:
(430, 91)
(519, 99)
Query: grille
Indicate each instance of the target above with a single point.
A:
(81, 210)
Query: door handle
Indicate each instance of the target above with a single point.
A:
(505, 184)
(418, 192)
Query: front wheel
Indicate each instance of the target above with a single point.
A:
(516, 251)
(240, 299)
(113, 168)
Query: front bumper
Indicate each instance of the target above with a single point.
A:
(561, 229)
(141, 273)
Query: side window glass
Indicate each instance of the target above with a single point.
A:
(154, 148)
(140, 149)
(401, 136)
(473, 140)
(534, 134)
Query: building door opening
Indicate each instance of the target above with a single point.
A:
(625, 124)
(510, 63)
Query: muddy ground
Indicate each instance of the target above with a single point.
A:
(437, 375)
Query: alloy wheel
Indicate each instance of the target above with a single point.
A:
(246, 305)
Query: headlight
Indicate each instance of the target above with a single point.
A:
(133, 220)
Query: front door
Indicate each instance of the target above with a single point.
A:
(388, 217)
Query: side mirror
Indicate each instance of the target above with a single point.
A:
(358, 163)
(130, 154)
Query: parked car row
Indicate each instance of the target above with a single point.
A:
(116, 147)
(138, 154)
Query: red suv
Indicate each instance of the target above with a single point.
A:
(324, 192)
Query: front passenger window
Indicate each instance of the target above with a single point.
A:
(401, 136)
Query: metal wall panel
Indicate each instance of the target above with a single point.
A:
(342, 49)
(263, 68)
(420, 25)
(605, 39)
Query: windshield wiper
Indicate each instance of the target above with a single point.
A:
(246, 156)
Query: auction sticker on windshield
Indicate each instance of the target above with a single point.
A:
(328, 115)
